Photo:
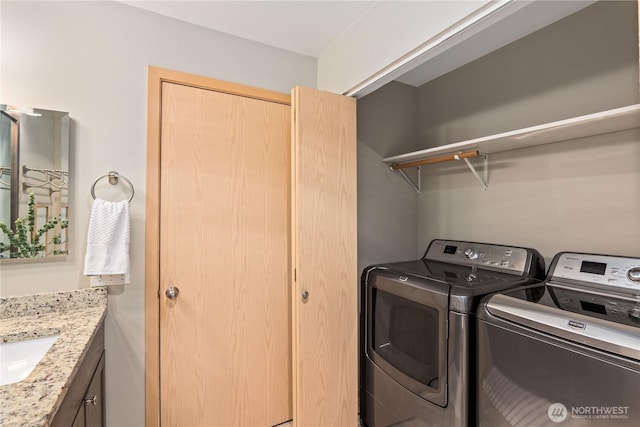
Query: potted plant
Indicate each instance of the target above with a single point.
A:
(26, 241)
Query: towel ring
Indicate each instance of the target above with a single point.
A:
(114, 177)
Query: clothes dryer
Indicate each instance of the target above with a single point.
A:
(418, 330)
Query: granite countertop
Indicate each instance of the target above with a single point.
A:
(73, 315)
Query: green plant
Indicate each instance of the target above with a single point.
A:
(25, 241)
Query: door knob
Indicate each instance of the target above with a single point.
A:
(172, 292)
(305, 295)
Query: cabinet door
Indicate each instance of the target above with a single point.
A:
(79, 421)
(72, 408)
(325, 379)
(94, 414)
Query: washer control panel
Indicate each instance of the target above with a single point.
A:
(603, 270)
(482, 255)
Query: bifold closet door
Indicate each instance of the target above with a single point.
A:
(325, 277)
(225, 346)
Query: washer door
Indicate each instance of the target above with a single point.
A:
(406, 332)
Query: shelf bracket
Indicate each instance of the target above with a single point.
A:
(463, 155)
(484, 182)
(418, 186)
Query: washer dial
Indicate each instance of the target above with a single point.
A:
(471, 253)
(634, 274)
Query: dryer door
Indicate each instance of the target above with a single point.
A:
(406, 332)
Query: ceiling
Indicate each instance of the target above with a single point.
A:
(305, 27)
(308, 27)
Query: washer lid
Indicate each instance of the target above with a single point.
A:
(537, 308)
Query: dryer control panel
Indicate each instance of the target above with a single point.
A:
(621, 273)
(507, 259)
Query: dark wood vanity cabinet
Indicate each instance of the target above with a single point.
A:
(91, 411)
(83, 405)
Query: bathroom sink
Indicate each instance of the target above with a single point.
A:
(17, 359)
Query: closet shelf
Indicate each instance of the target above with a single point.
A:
(617, 119)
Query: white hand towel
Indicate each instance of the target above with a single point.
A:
(108, 239)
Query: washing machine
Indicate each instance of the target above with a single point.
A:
(418, 330)
(565, 352)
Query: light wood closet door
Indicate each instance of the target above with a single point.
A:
(224, 242)
(325, 331)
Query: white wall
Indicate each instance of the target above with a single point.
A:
(91, 59)
(415, 42)
(384, 34)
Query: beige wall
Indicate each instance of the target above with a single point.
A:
(581, 195)
(91, 58)
(387, 206)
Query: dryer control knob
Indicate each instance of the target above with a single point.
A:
(634, 274)
(634, 314)
(471, 253)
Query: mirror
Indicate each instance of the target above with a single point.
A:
(34, 183)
